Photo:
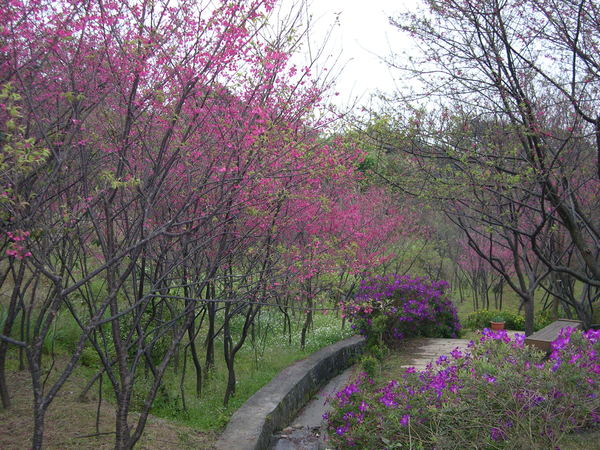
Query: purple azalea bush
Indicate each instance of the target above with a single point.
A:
(391, 307)
(497, 394)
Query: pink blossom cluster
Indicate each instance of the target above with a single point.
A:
(16, 247)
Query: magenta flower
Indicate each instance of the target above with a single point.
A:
(496, 434)
(489, 378)
(456, 353)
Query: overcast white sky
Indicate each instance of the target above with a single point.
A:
(361, 36)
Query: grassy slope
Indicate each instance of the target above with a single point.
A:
(257, 364)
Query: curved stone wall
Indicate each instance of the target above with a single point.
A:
(275, 405)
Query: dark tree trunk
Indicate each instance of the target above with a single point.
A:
(307, 324)
(528, 307)
(210, 336)
(230, 391)
(195, 359)
(230, 350)
(12, 313)
(229, 357)
(39, 411)
(122, 438)
(38, 428)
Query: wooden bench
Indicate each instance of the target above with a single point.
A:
(543, 338)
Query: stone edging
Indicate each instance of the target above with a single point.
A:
(276, 404)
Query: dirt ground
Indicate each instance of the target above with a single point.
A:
(72, 424)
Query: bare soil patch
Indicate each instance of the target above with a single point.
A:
(72, 424)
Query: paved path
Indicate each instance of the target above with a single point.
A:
(419, 352)
(306, 432)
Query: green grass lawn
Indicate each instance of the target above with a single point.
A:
(256, 364)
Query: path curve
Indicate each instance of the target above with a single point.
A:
(307, 431)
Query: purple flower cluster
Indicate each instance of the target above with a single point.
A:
(346, 398)
(395, 307)
(497, 383)
(568, 351)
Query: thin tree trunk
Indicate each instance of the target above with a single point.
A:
(122, 430)
(228, 355)
(12, 313)
(528, 306)
(38, 428)
(210, 337)
(195, 359)
(307, 324)
(38, 405)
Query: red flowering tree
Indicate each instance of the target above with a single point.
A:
(160, 159)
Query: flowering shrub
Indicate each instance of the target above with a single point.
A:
(497, 394)
(388, 308)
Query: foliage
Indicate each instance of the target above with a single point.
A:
(498, 394)
(389, 308)
(370, 365)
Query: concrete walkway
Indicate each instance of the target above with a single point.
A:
(307, 431)
(418, 352)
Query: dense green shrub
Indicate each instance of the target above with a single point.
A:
(481, 319)
(89, 357)
(370, 365)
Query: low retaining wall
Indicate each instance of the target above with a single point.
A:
(275, 405)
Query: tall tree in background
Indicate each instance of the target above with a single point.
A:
(503, 122)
